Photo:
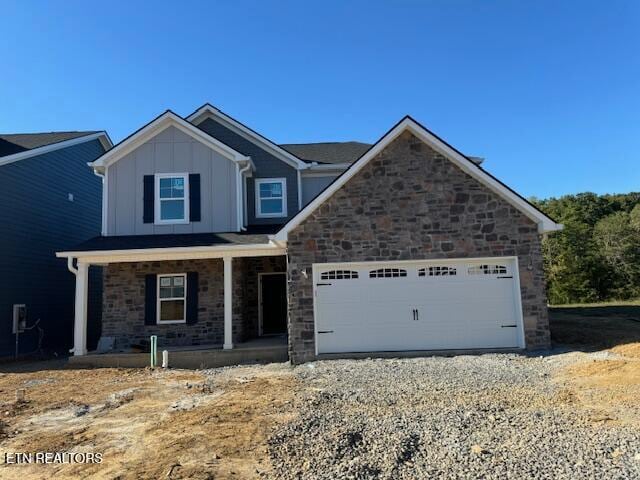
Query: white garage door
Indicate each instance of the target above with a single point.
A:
(430, 305)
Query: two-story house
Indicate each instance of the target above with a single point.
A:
(212, 234)
(49, 199)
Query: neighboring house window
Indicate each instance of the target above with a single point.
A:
(172, 193)
(271, 197)
(172, 296)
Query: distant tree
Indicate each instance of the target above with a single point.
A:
(634, 218)
(597, 255)
(619, 244)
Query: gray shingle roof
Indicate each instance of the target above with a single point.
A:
(328, 152)
(257, 234)
(11, 143)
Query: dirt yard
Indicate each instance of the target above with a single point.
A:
(147, 424)
(345, 419)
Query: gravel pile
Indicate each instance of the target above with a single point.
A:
(491, 416)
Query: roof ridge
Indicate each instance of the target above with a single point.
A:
(54, 132)
(328, 143)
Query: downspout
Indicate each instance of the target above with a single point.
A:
(73, 270)
(299, 190)
(306, 167)
(70, 266)
(239, 195)
(103, 220)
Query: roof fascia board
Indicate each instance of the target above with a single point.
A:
(161, 123)
(102, 136)
(207, 111)
(327, 167)
(545, 224)
(176, 253)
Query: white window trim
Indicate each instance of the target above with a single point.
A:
(157, 200)
(159, 300)
(260, 181)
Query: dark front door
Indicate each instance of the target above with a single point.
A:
(274, 303)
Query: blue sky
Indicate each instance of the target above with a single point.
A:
(547, 91)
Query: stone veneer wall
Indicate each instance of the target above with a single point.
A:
(410, 202)
(123, 301)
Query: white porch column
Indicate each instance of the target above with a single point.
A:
(80, 323)
(228, 303)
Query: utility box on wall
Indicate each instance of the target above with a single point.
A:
(19, 318)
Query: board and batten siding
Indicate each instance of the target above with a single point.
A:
(267, 166)
(171, 151)
(313, 185)
(39, 218)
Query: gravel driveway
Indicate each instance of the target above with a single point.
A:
(491, 416)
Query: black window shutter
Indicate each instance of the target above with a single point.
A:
(194, 197)
(192, 297)
(149, 197)
(150, 299)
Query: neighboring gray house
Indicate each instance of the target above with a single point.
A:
(49, 198)
(214, 235)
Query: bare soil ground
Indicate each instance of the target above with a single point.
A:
(610, 381)
(219, 423)
(147, 424)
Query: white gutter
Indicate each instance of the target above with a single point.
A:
(316, 167)
(70, 266)
(239, 193)
(175, 253)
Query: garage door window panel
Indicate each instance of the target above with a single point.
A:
(339, 275)
(388, 273)
(487, 269)
(437, 271)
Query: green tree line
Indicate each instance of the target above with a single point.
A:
(597, 255)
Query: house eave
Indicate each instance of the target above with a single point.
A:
(545, 224)
(176, 253)
(101, 136)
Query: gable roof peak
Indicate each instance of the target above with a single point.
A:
(544, 222)
(163, 121)
(208, 110)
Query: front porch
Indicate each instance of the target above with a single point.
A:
(262, 350)
(199, 302)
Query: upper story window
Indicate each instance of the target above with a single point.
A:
(172, 193)
(271, 197)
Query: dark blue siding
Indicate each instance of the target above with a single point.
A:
(37, 220)
(267, 166)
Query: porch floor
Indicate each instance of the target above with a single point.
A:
(257, 350)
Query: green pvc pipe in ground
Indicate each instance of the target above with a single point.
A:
(154, 351)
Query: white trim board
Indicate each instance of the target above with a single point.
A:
(102, 136)
(176, 253)
(209, 111)
(545, 224)
(156, 126)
